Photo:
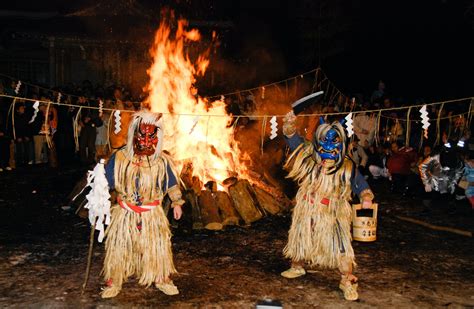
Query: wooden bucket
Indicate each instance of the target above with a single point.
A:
(364, 223)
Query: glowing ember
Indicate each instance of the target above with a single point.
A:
(195, 129)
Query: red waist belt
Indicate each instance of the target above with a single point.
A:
(324, 200)
(137, 208)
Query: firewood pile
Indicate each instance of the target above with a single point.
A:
(238, 203)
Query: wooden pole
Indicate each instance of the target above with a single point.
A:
(436, 227)
(89, 257)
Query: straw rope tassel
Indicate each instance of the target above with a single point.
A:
(76, 128)
(377, 128)
(407, 136)
(109, 122)
(46, 124)
(438, 124)
(421, 140)
(13, 118)
(262, 135)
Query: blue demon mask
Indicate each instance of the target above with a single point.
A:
(329, 140)
(330, 146)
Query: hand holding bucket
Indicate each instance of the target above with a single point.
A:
(364, 222)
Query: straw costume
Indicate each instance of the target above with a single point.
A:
(138, 239)
(320, 231)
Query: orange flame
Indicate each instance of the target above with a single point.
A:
(196, 130)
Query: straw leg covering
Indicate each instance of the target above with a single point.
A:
(320, 234)
(146, 254)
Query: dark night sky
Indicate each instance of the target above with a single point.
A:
(421, 49)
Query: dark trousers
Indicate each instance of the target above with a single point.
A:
(87, 144)
(4, 151)
(25, 151)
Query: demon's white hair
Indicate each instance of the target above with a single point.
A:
(146, 117)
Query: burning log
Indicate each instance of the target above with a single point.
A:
(241, 193)
(190, 181)
(227, 210)
(192, 201)
(211, 186)
(230, 181)
(197, 185)
(187, 174)
(266, 201)
(209, 211)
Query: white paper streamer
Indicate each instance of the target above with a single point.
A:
(274, 127)
(349, 127)
(59, 97)
(425, 120)
(98, 199)
(35, 112)
(17, 88)
(118, 123)
(101, 107)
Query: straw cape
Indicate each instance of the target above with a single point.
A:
(138, 243)
(138, 239)
(320, 230)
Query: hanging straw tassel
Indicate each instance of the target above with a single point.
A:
(49, 140)
(13, 118)
(407, 136)
(234, 125)
(438, 123)
(76, 128)
(262, 135)
(109, 122)
(421, 140)
(377, 128)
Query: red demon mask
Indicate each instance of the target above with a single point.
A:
(146, 139)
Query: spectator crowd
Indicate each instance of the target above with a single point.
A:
(58, 134)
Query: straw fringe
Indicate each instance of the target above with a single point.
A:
(146, 254)
(132, 176)
(320, 234)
